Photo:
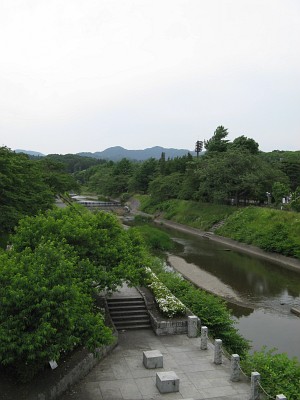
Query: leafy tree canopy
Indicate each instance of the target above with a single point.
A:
(57, 262)
(55, 176)
(23, 190)
(237, 175)
(217, 142)
(244, 143)
(96, 238)
(45, 309)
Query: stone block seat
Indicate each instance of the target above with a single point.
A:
(152, 359)
(167, 382)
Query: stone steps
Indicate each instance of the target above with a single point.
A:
(128, 313)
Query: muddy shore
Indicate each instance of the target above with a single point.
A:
(208, 282)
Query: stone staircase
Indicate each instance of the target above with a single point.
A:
(128, 313)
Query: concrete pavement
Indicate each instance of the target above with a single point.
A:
(122, 375)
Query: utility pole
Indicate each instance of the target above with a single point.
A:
(198, 147)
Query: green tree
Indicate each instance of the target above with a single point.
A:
(145, 173)
(58, 261)
(55, 176)
(237, 175)
(166, 187)
(99, 238)
(23, 190)
(217, 142)
(244, 143)
(295, 201)
(119, 181)
(46, 310)
(280, 190)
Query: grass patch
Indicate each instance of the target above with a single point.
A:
(272, 230)
(198, 215)
(154, 238)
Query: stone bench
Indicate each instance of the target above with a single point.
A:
(167, 382)
(152, 359)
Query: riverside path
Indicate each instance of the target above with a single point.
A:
(122, 375)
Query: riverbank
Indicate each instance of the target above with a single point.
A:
(206, 281)
(286, 262)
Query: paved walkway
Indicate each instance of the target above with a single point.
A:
(122, 375)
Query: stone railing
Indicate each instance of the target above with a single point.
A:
(235, 369)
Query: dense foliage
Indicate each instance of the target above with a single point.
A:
(57, 262)
(279, 373)
(23, 190)
(46, 309)
(99, 238)
(226, 173)
(73, 162)
(27, 186)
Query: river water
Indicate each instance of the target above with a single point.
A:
(267, 290)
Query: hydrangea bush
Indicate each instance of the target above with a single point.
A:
(167, 303)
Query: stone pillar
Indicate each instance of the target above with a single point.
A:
(192, 326)
(281, 397)
(218, 351)
(255, 378)
(235, 368)
(204, 337)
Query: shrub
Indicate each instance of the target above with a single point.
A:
(279, 373)
(168, 304)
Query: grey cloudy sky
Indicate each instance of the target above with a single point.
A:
(84, 75)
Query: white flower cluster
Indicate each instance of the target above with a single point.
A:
(168, 304)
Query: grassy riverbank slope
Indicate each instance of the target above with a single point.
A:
(269, 229)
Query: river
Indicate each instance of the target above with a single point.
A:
(267, 290)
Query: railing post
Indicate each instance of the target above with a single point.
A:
(204, 336)
(280, 397)
(235, 368)
(218, 351)
(255, 378)
(192, 326)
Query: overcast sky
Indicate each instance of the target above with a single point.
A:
(85, 75)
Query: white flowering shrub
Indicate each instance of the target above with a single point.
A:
(168, 304)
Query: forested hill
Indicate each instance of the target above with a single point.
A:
(117, 153)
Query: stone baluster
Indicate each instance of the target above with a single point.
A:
(235, 368)
(255, 378)
(192, 326)
(218, 351)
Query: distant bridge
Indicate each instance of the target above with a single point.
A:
(99, 204)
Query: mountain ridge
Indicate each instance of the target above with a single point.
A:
(116, 153)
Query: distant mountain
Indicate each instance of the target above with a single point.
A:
(117, 153)
(30, 153)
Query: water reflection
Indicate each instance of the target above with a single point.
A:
(272, 290)
(256, 280)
